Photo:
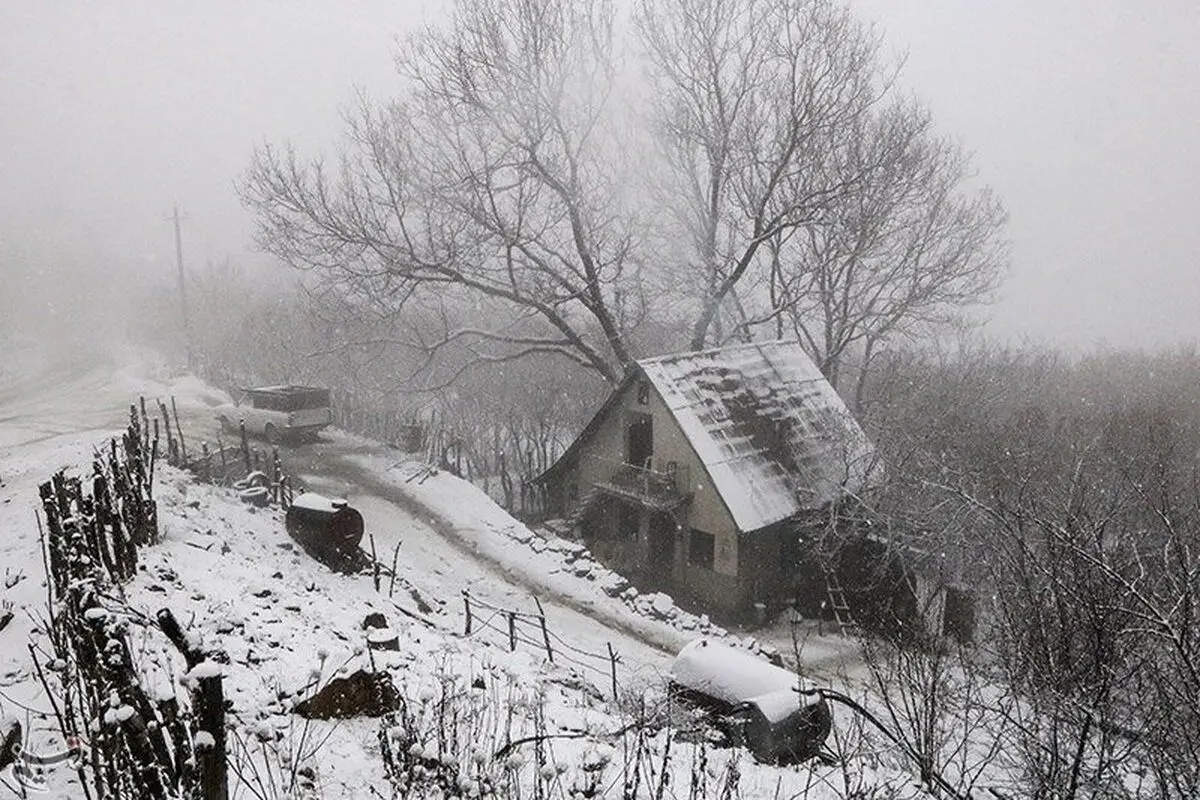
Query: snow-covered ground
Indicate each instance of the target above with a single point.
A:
(290, 624)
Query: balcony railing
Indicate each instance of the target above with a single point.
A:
(662, 489)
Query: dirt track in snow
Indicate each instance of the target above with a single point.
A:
(82, 397)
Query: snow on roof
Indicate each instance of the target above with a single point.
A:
(729, 674)
(311, 501)
(771, 432)
(284, 388)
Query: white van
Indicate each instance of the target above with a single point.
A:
(278, 413)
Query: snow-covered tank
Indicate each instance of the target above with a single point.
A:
(760, 706)
(328, 528)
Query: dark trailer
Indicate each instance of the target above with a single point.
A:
(327, 528)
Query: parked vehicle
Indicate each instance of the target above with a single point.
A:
(278, 413)
(755, 704)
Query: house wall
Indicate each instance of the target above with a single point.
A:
(605, 452)
(761, 577)
(707, 588)
(622, 550)
(764, 578)
(719, 588)
(706, 512)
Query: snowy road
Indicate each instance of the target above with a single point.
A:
(442, 566)
(78, 400)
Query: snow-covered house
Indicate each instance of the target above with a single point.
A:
(692, 475)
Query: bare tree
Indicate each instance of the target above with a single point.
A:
(492, 182)
(506, 204)
(1073, 488)
(904, 249)
(752, 98)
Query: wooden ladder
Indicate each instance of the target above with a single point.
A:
(837, 601)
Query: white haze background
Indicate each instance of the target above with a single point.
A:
(1081, 113)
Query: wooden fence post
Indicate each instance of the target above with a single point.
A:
(374, 562)
(612, 658)
(179, 428)
(467, 605)
(145, 421)
(392, 578)
(245, 444)
(277, 476)
(209, 712)
(512, 631)
(172, 448)
(545, 630)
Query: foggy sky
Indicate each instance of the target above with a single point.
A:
(1083, 114)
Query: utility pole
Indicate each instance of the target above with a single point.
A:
(187, 324)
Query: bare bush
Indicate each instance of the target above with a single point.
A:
(1075, 512)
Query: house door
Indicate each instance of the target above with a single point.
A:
(639, 440)
(662, 545)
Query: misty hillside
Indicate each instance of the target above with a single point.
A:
(395, 399)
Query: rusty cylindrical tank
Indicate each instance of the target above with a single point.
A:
(325, 526)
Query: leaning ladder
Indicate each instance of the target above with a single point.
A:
(837, 601)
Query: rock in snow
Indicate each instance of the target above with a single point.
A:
(662, 606)
(362, 694)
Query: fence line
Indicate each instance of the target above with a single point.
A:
(92, 533)
(258, 476)
(484, 604)
(566, 652)
(498, 455)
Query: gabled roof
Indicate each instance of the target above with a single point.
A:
(772, 433)
(568, 457)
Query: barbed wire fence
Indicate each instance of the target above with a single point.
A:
(516, 628)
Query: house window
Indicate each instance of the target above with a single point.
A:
(643, 393)
(701, 547)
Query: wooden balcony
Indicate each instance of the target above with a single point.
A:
(661, 490)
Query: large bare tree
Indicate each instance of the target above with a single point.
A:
(752, 100)
(904, 250)
(489, 182)
(812, 199)
(530, 193)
